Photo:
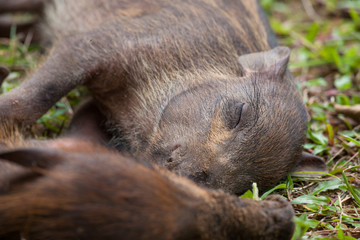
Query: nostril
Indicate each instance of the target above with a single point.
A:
(171, 163)
(175, 157)
(175, 153)
(199, 177)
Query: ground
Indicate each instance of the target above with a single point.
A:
(324, 36)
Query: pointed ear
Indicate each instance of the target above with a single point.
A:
(33, 157)
(309, 162)
(274, 61)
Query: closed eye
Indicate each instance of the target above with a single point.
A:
(233, 112)
(237, 114)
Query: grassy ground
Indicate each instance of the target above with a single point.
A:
(21, 58)
(325, 38)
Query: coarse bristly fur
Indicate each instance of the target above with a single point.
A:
(198, 87)
(76, 189)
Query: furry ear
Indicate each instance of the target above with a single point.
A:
(274, 61)
(33, 157)
(309, 162)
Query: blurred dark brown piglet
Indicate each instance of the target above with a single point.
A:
(74, 189)
(198, 87)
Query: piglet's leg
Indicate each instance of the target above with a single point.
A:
(72, 62)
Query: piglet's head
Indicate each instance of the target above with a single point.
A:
(230, 131)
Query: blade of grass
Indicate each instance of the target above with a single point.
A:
(351, 189)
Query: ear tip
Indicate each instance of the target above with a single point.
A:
(282, 50)
(274, 60)
(282, 47)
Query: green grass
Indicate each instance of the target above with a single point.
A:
(21, 59)
(325, 43)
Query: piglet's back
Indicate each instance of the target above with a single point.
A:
(241, 23)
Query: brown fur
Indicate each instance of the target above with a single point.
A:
(166, 75)
(88, 192)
